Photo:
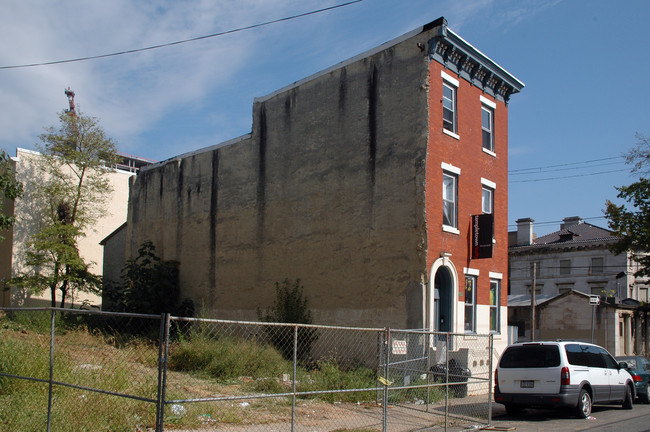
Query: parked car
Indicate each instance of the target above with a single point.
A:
(567, 374)
(457, 374)
(639, 368)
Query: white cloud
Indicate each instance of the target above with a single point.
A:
(130, 92)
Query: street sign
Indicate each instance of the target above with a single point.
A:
(594, 300)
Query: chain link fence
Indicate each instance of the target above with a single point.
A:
(71, 370)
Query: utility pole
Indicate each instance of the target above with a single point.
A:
(532, 302)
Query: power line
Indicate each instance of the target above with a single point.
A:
(565, 164)
(179, 42)
(564, 168)
(560, 221)
(566, 177)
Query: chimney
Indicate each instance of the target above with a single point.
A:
(570, 221)
(524, 231)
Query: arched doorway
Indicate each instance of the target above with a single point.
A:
(443, 289)
(443, 292)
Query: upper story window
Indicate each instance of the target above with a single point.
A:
(597, 265)
(487, 124)
(487, 195)
(565, 267)
(449, 104)
(488, 200)
(488, 108)
(450, 199)
(449, 107)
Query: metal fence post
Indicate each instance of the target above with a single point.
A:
(163, 351)
(295, 371)
(490, 385)
(446, 381)
(51, 380)
(386, 371)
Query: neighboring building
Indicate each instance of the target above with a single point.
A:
(571, 265)
(13, 248)
(577, 257)
(360, 180)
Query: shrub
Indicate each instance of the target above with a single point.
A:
(290, 307)
(225, 358)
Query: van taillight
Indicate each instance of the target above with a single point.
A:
(496, 376)
(565, 378)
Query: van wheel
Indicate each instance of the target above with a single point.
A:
(583, 409)
(627, 403)
(514, 409)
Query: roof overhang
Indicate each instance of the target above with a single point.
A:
(469, 63)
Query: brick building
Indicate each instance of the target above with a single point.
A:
(360, 180)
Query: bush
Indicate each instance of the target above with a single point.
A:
(290, 307)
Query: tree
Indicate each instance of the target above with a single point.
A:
(10, 187)
(150, 286)
(631, 223)
(73, 188)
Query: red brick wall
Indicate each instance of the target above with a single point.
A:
(467, 154)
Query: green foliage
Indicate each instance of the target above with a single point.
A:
(72, 189)
(631, 223)
(225, 358)
(10, 187)
(290, 307)
(150, 286)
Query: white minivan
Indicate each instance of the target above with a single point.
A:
(560, 374)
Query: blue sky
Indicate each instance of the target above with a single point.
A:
(585, 65)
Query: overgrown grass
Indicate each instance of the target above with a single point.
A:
(328, 375)
(200, 365)
(226, 358)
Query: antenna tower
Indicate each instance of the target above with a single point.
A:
(70, 94)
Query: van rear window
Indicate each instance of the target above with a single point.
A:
(530, 356)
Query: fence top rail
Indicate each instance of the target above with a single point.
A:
(80, 311)
(439, 333)
(276, 324)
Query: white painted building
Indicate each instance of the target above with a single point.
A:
(574, 260)
(25, 209)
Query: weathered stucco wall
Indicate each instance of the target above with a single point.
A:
(328, 188)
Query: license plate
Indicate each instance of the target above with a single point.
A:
(527, 384)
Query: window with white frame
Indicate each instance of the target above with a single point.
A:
(495, 303)
(449, 107)
(470, 304)
(488, 200)
(450, 199)
(487, 124)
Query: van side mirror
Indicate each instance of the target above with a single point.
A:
(622, 365)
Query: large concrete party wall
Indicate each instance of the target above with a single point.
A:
(328, 188)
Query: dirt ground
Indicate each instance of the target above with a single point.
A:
(470, 413)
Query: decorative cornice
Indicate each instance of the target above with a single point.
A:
(452, 51)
